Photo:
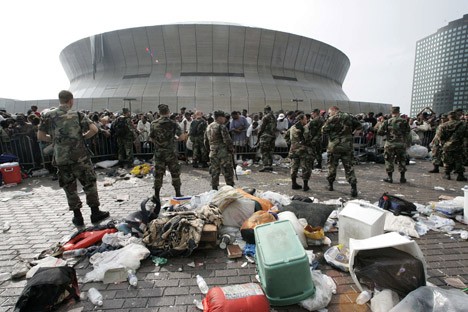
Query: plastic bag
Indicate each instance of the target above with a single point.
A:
(202, 199)
(128, 257)
(259, 217)
(277, 199)
(325, 287)
(400, 224)
(338, 257)
(450, 208)
(48, 262)
(417, 151)
(432, 299)
(244, 297)
(238, 211)
(316, 233)
(226, 195)
(384, 300)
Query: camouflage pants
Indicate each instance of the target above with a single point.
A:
(437, 155)
(163, 159)
(394, 154)
(83, 172)
(453, 160)
(303, 161)
(199, 151)
(125, 151)
(347, 161)
(221, 162)
(267, 148)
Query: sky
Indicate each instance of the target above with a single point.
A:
(378, 36)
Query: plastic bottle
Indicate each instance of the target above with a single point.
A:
(132, 279)
(225, 240)
(95, 296)
(6, 226)
(363, 297)
(202, 285)
(74, 253)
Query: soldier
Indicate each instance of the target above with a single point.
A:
(314, 138)
(219, 142)
(67, 130)
(299, 153)
(122, 129)
(452, 135)
(197, 135)
(267, 137)
(436, 148)
(340, 127)
(396, 130)
(163, 133)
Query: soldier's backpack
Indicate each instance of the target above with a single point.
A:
(119, 127)
(47, 289)
(396, 205)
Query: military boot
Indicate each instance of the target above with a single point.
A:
(177, 191)
(354, 192)
(461, 177)
(402, 177)
(98, 215)
(390, 177)
(266, 169)
(295, 186)
(306, 185)
(447, 176)
(435, 169)
(330, 186)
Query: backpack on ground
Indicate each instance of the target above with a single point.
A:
(396, 205)
(47, 289)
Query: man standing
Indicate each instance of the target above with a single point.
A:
(396, 130)
(67, 130)
(299, 153)
(267, 139)
(340, 128)
(197, 135)
(163, 133)
(452, 135)
(122, 128)
(314, 137)
(219, 142)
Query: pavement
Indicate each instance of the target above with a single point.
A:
(40, 218)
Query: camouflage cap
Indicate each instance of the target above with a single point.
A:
(452, 114)
(163, 109)
(219, 113)
(125, 110)
(395, 109)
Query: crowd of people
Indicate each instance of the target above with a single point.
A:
(216, 139)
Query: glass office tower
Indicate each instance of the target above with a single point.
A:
(441, 69)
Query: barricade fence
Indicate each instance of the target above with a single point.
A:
(33, 154)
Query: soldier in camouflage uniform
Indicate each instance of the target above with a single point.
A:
(397, 131)
(314, 138)
(452, 135)
(219, 142)
(125, 137)
(267, 136)
(340, 127)
(197, 135)
(163, 133)
(299, 152)
(67, 130)
(436, 149)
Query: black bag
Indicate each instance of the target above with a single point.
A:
(396, 205)
(47, 289)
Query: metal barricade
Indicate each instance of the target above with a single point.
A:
(25, 149)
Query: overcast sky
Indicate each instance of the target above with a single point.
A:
(378, 36)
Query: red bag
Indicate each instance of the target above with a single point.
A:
(234, 298)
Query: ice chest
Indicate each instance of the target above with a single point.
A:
(360, 220)
(11, 172)
(282, 264)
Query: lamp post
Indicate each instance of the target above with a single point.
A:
(129, 102)
(297, 102)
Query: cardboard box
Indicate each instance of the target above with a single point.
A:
(179, 200)
(209, 233)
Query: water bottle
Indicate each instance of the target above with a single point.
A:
(202, 285)
(95, 296)
(363, 297)
(132, 279)
(225, 240)
(74, 253)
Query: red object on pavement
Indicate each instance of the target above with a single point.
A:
(86, 239)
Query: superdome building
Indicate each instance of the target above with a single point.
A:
(207, 67)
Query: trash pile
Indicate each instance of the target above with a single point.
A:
(272, 230)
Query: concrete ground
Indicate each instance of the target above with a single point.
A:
(40, 219)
